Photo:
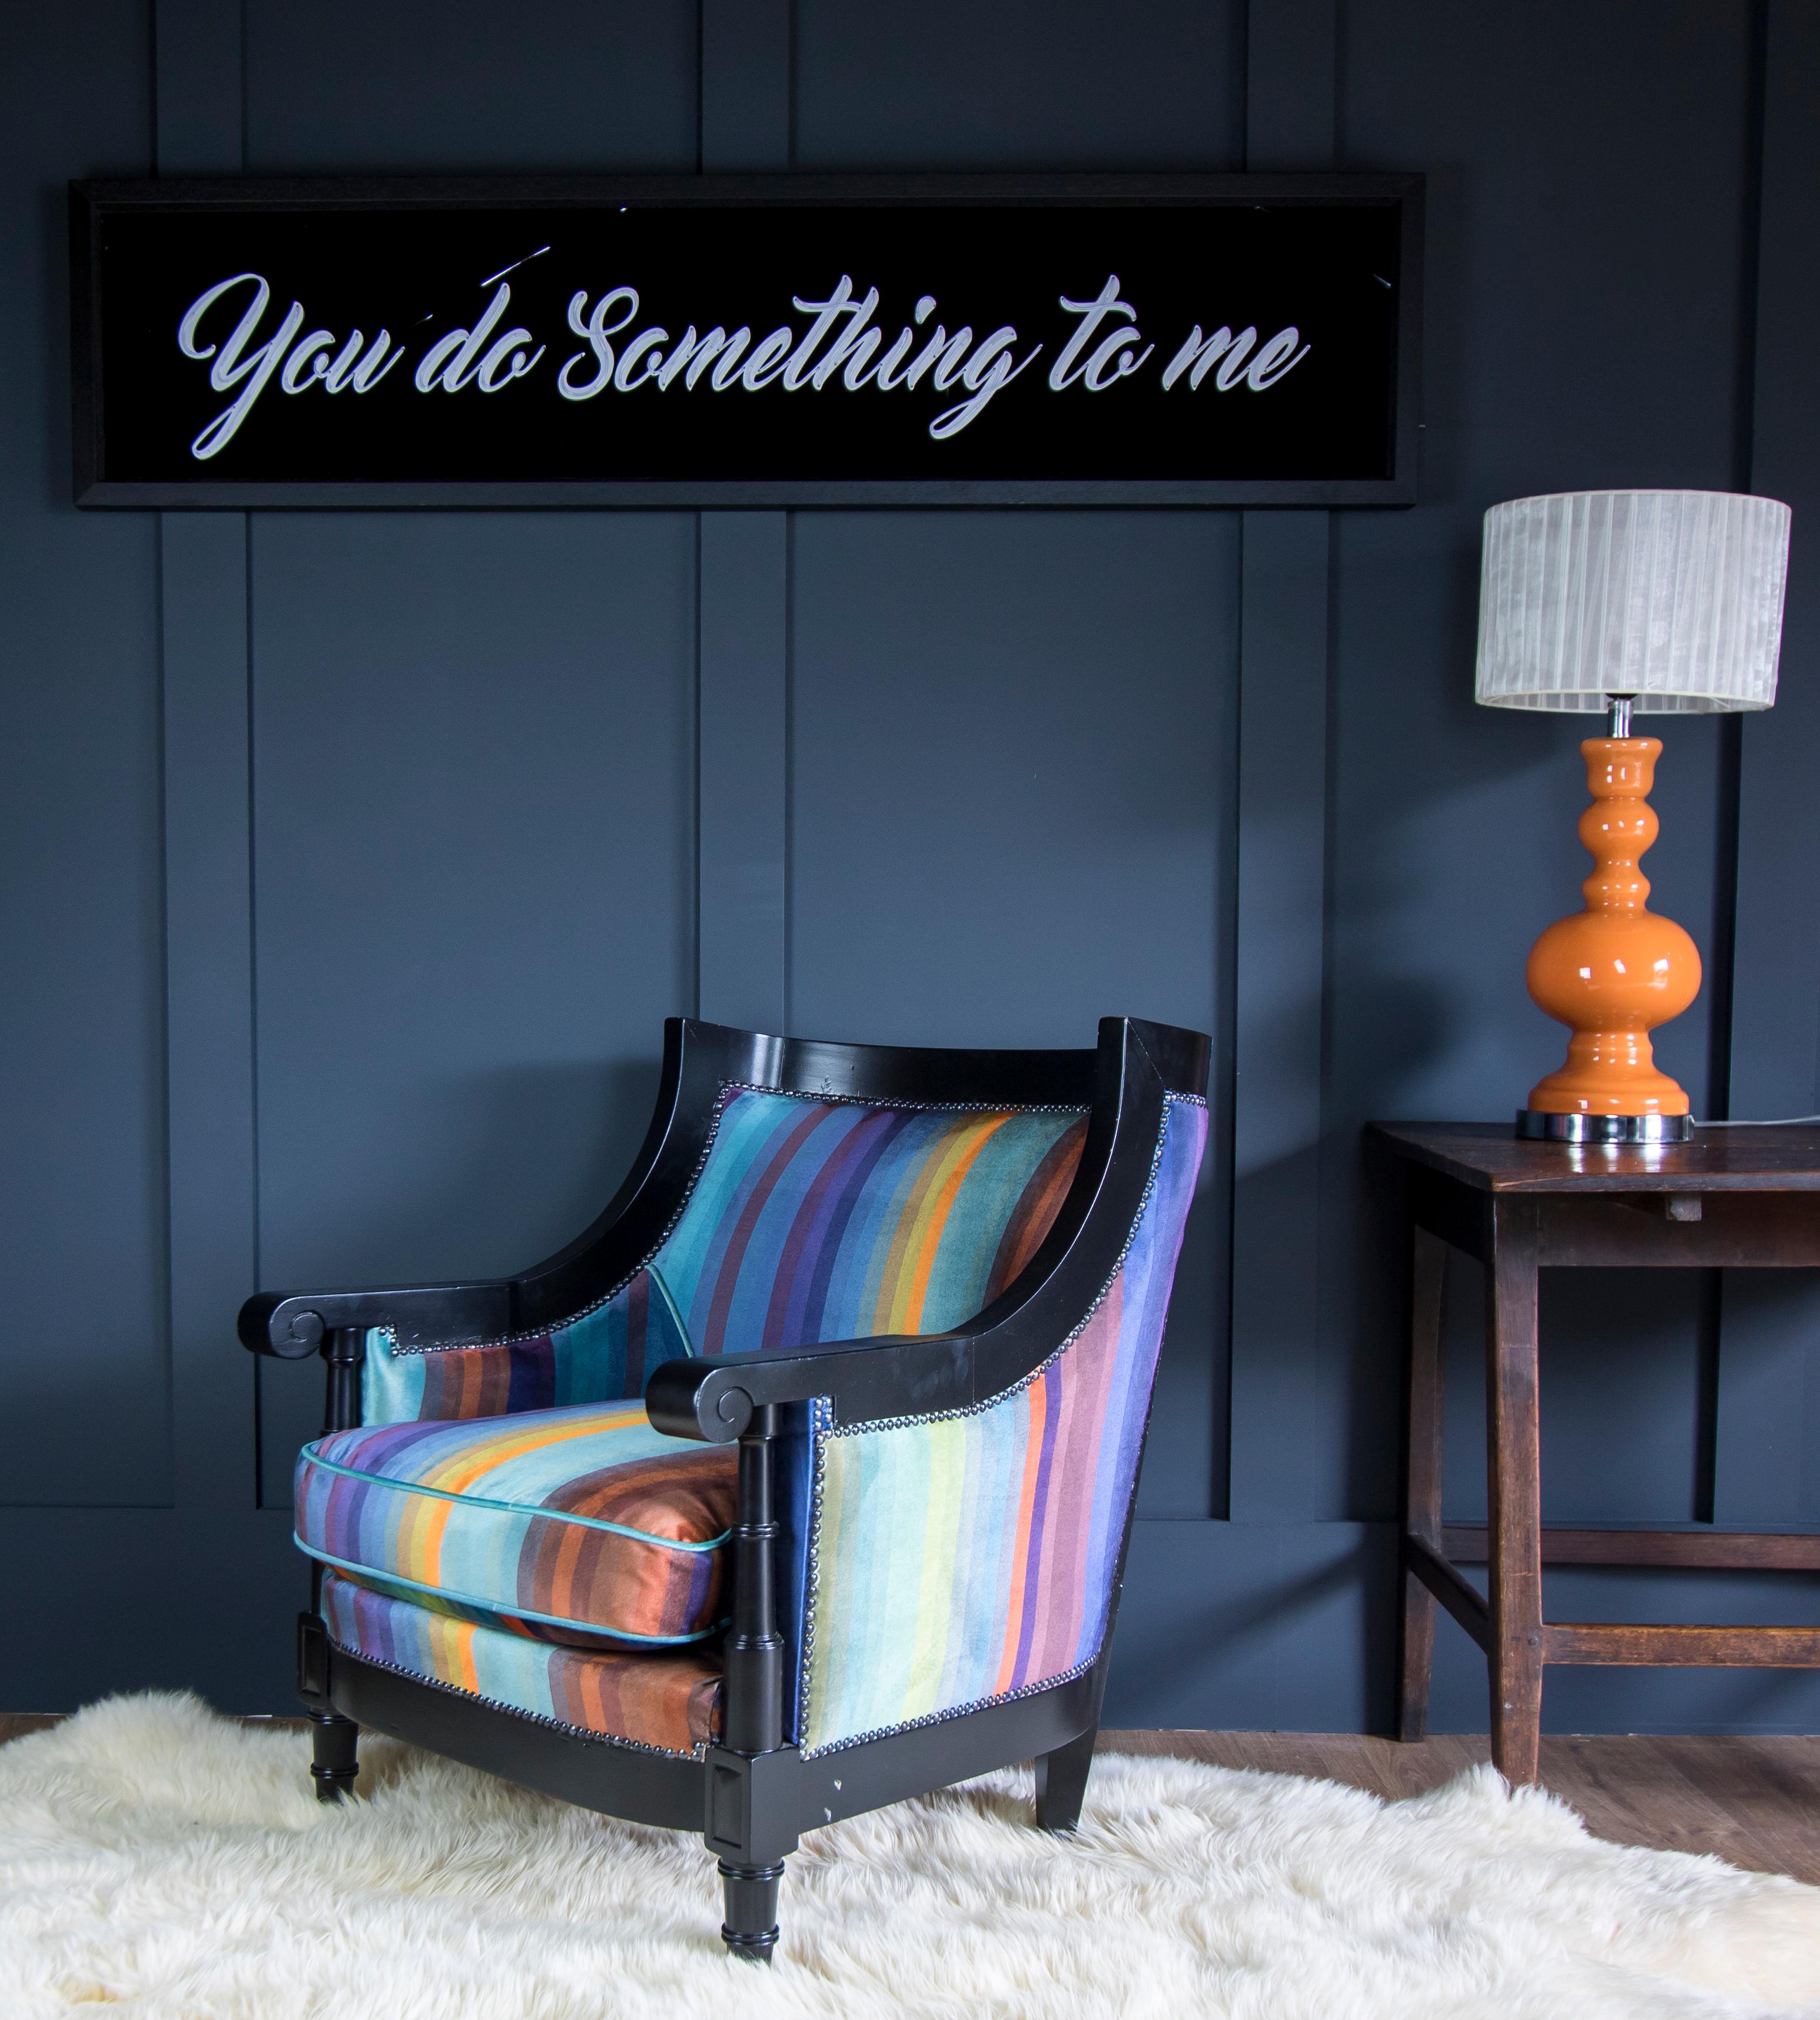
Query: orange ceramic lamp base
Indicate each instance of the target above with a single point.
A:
(1613, 972)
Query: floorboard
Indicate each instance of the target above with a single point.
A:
(1753, 1802)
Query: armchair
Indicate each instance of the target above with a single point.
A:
(894, 1316)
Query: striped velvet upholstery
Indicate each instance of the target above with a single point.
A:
(669, 1699)
(581, 1526)
(601, 1356)
(810, 1220)
(971, 1557)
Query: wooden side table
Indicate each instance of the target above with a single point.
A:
(1744, 1198)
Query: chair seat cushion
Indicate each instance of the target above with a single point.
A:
(668, 1699)
(580, 1526)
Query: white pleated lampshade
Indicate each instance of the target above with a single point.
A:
(1675, 597)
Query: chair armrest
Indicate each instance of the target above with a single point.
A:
(290, 1324)
(910, 1376)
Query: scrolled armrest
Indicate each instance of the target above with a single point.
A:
(290, 1324)
(891, 1376)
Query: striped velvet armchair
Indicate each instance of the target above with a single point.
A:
(799, 1483)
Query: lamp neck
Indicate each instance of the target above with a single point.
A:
(1620, 824)
(1618, 724)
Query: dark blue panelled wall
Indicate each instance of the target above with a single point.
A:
(353, 860)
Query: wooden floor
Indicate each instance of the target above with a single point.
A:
(1753, 1802)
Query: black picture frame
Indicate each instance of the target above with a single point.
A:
(93, 203)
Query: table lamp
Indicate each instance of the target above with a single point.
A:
(1625, 603)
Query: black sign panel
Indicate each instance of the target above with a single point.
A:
(793, 340)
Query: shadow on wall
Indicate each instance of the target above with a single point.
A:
(1184, 1475)
(1239, 1626)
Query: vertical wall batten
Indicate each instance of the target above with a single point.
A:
(1720, 976)
(1722, 962)
(742, 793)
(1280, 1384)
(1291, 60)
(1775, 1052)
(745, 85)
(197, 109)
(742, 818)
(208, 869)
(1767, 1457)
(208, 952)
(209, 1051)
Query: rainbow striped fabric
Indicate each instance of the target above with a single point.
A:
(605, 1354)
(581, 1526)
(810, 1220)
(968, 1558)
(670, 1700)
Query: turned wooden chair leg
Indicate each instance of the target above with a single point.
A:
(1424, 1403)
(750, 1895)
(334, 1751)
(1062, 1783)
(743, 1829)
(335, 1744)
(1513, 1470)
(334, 1741)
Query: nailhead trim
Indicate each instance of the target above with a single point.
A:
(518, 1711)
(956, 1711)
(729, 1089)
(821, 1434)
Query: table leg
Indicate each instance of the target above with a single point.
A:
(1422, 1473)
(1513, 1471)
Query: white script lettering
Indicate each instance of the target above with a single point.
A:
(464, 356)
(1110, 355)
(840, 343)
(253, 369)
(1273, 362)
(1199, 356)
(836, 342)
(988, 371)
(592, 324)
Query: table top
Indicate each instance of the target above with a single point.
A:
(1751, 1158)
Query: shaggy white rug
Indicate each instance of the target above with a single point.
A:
(163, 1861)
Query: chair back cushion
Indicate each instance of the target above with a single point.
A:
(816, 1220)
(967, 1558)
(810, 1219)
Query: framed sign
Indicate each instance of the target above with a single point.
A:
(747, 341)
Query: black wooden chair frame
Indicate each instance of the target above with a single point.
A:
(753, 1794)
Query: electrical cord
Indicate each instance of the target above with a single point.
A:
(1770, 1122)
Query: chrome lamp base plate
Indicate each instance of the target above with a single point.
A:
(1537, 1125)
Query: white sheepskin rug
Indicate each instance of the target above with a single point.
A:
(160, 1861)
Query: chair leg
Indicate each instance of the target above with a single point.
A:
(1062, 1783)
(334, 1764)
(749, 1893)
